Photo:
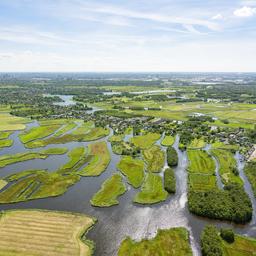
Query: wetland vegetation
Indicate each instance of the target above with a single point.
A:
(112, 137)
(167, 242)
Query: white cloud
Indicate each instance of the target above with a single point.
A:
(245, 12)
(117, 11)
(217, 17)
(28, 35)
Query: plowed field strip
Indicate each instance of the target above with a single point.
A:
(36, 229)
(38, 242)
(40, 235)
(43, 224)
(46, 249)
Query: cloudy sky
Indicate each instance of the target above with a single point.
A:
(131, 35)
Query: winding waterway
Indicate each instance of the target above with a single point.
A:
(127, 218)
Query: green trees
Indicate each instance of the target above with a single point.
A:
(211, 242)
(231, 204)
(172, 156)
(227, 234)
(169, 181)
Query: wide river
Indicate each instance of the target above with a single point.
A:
(126, 219)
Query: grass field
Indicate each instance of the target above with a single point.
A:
(152, 190)
(242, 246)
(227, 166)
(40, 233)
(4, 135)
(154, 157)
(85, 132)
(168, 242)
(110, 190)
(100, 158)
(133, 169)
(39, 132)
(5, 143)
(200, 182)
(250, 171)
(34, 184)
(116, 138)
(221, 145)
(20, 157)
(201, 171)
(11, 123)
(168, 141)
(66, 128)
(3, 183)
(200, 162)
(197, 143)
(146, 140)
(75, 155)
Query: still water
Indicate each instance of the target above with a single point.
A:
(127, 218)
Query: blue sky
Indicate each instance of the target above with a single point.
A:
(134, 35)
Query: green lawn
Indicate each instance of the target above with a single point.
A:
(154, 157)
(152, 190)
(110, 190)
(133, 169)
(168, 141)
(146, 140)
(168, 242)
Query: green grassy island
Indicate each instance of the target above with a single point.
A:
(133, 169)
(110, 190)
(152, 190)
(154, 157)
(167, 242)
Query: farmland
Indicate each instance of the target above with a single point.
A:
(49, 232)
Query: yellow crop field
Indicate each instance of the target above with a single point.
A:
(11, 123)
(40, 233)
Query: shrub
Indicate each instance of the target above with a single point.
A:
(211, 242)
(227, 234)
(172, 156)
(169, 181)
